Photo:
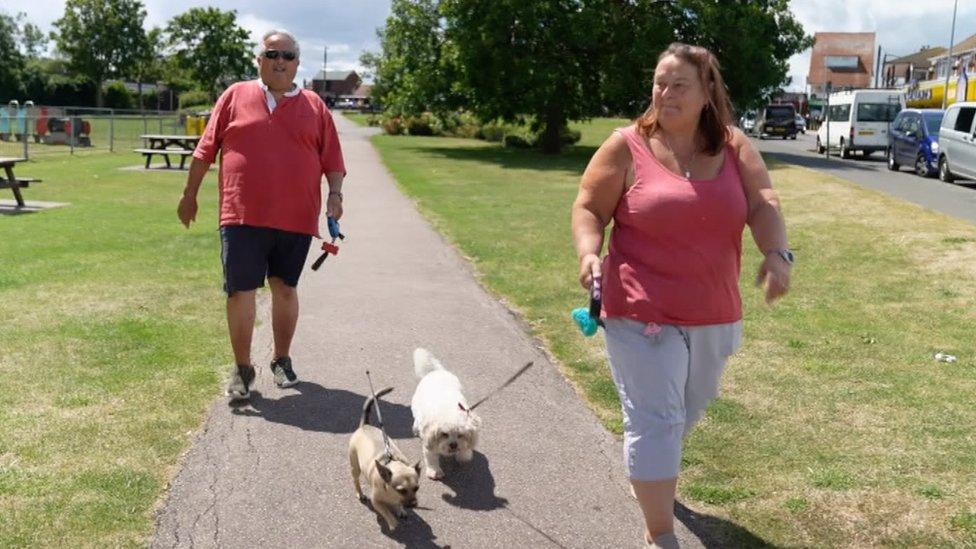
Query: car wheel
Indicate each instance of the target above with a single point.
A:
(844, 151)
(922, 166)
(892, 164)
(945, 174)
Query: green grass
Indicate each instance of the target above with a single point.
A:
(112, 349)
(836, 427)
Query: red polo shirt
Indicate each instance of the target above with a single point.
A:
(271, 163)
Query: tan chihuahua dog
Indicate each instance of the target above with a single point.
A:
(393, 483)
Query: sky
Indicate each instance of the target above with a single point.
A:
(348, 27)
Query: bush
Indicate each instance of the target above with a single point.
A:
(373, 120)
(466, 126)
(116, 96)
(194, 98)
(419, 125)
(491, 131)
(569, 136)
(392, 125)
(520, 138)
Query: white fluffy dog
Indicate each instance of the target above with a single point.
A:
(440, 414)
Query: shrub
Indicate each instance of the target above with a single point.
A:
(117, 96)
(419, 125)
(520, 139)
(392, 125)
(569, 136)
(194, 98)
(491, 131)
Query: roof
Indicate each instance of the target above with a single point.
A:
(919, 57)
(334, 75)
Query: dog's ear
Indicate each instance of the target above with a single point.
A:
(416, 466)
(384, 471)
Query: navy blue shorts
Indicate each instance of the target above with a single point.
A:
(251, 254)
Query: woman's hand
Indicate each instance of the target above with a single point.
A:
(590, 266)
(774, 277)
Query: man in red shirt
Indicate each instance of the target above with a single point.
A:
(275, 142)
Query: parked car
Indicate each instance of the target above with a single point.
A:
(801, 124)
(748, 121)
(777, 120)
(858, 120)
(914, 140)
(957, 142)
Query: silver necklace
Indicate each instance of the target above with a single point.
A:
(686, 171)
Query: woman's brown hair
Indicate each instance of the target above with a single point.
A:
(716, 117)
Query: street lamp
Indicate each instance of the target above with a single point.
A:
(952, 38)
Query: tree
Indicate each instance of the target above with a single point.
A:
(535, 58)
(412, 74)
(209, 44)
(99, 36)
(33, 41)
(12, 67)
(754, 58)
(148, 61)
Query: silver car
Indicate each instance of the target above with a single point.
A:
(957, 142)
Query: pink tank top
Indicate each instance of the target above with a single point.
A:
(676, 244)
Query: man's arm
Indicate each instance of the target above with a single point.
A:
(333, 204)
(187, 210)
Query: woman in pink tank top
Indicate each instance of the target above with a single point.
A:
(680, 186)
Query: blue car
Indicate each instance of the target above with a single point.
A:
(914, 141)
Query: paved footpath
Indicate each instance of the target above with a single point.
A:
(275, 473)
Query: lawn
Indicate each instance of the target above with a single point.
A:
(113, 348)
(836, 426)
(359, 118)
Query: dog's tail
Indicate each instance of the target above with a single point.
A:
(368, 406)
(424, 362)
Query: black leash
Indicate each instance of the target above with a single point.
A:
(521, 371)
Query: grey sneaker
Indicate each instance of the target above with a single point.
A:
(284, 376)
(239, 387)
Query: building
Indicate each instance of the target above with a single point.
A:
(917, 66)
(332, 84)
(842, 60)
(927, 90)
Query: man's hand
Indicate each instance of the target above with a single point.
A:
(590, 266)
(333, 206)
(187, 210)
(774, 277)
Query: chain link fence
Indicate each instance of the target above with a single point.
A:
(37, 132)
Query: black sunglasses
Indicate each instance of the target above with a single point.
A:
(287, 54)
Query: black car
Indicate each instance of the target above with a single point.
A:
(776, 120)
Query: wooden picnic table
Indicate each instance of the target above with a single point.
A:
(167, 144)
(11, 182)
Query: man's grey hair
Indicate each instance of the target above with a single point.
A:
(259, 49)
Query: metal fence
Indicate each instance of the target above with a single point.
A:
(41, 131)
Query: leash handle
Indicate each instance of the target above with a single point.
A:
(379, 416)
(596, 298)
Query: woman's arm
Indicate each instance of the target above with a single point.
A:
(600, 189)
(764, 217)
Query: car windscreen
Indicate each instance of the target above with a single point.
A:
(877, 112)
(932, 123)
(779, 113)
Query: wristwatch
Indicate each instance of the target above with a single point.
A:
(785, 254)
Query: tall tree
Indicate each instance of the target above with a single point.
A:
(12, 67)
(210, 45)
(99, 36)
(412, 72)
(148, 61)
(32, 40)
(539, 58)
(754, 58)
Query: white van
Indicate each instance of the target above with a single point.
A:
(957, 142)
(859, 120)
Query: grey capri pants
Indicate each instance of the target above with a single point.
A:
(665, 375)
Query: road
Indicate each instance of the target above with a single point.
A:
(956, 199)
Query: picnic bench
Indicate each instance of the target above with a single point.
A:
(13, 182)
(165, 145)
